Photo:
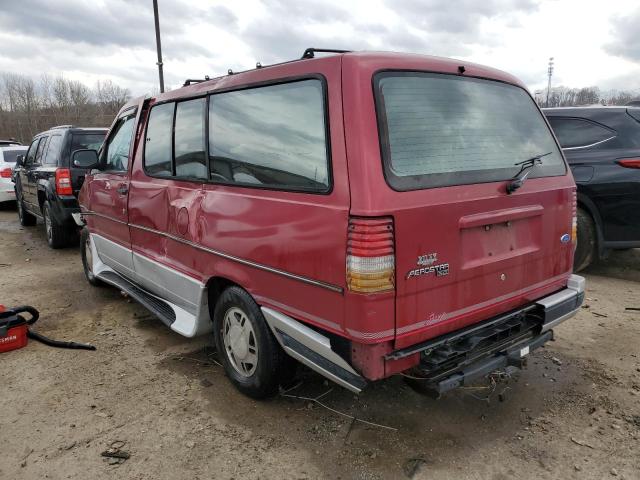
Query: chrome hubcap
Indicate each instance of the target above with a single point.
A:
(240, 343)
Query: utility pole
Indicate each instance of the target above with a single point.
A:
(550, 73)
(158, 45)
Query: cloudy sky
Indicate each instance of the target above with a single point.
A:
(593, 42)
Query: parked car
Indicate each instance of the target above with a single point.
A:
(12, 142)
(602, 146)
(47, 185)
(367, 214)
(7, 163)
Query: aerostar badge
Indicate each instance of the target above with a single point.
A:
(427, 262)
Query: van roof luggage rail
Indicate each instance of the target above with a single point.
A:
(310, 52)
(189, 81)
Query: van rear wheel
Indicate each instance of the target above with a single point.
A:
(250, 355)
(587, 247)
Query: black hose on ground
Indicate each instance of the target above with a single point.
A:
(58, 343)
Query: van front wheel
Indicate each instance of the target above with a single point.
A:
(250, 355)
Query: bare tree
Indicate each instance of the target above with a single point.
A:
(29, 106)
(110, 97)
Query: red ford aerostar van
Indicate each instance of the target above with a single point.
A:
(367, 214)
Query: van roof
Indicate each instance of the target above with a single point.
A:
(368, 60)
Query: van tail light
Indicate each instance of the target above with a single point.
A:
(574, 218)
(63, 182)
(5, 173)
(370, 255)
(629, 162)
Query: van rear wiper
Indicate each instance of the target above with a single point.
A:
(525, 169)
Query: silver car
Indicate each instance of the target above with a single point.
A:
(7, 163)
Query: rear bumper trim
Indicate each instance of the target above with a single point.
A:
(564, 304)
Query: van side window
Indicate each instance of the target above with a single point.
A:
(273, 136)
(157, 149)
(51, 156)
(576, 132)
(189, 142)
(117, 146)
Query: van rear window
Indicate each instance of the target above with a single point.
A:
(438, 130)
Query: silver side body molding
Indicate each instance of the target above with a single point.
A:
(186, 296)
(312, 349)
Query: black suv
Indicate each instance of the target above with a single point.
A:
(602, 146)
(47, 184)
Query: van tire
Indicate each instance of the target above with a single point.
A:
(587, 247)
(57, 235)
(87, 258)
(233, 309)
(26, 218)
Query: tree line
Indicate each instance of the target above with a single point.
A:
(572, 97)
(29, 106)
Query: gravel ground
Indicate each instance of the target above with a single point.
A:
(573, 413)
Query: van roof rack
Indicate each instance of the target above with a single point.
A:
(61, 126)
(189, 81)
(310, 52)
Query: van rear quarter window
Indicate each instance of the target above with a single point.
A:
(272, 136)
(439, 130)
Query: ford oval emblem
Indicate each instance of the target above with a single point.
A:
(566, 238)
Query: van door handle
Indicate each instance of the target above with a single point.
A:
(123, 189)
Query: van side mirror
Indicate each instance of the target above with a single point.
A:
(85, 159)
(19, 160)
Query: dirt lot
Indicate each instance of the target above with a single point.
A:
(574, 413)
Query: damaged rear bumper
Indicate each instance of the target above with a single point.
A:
(462, 357)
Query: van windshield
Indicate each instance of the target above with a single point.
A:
(439, 130)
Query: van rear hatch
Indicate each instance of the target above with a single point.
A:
(467, 250)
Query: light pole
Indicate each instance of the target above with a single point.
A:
(550, 72)
(158, 45)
